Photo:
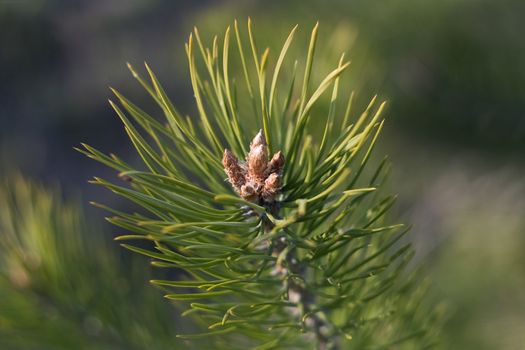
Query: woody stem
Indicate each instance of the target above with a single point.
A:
(292, 273)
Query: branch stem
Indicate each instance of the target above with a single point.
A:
(293, 275)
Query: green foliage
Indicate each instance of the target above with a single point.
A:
(414, 51)
(61, 287)
(328, 227)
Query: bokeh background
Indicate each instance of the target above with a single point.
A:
(452, 70)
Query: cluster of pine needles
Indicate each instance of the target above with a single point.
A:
(319, 266)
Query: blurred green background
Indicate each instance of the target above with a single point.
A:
(453, 72)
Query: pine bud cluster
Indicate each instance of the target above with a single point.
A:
(257, 180)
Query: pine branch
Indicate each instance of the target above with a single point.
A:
(290, 248)
(62, 287)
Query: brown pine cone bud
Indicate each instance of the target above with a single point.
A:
(257, 180)
(235, 171)
(272, 185)
(258, 157)
(259, 139)
(276, 164)
(257, 162)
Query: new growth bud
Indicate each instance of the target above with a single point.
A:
(276, 163)
(259, 140)
(272, 185)
(258, 157)
(257, 180)
(235, 171)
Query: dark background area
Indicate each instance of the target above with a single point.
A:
(453, 72)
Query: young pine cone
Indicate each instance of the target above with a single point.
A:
(256, 180)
